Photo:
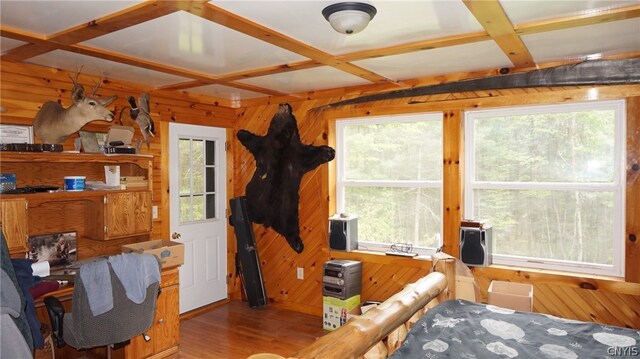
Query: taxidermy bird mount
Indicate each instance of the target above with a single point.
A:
(281, 161)
(54, 124)
(140, 114)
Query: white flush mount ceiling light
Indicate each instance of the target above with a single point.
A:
(349, 17)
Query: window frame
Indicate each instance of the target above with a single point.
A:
(341, 183)
(616, 186)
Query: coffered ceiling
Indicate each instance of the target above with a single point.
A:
(244, 51)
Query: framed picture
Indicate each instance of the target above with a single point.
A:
(59, 249)
(16, 134)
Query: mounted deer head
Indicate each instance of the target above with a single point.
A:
(54, 124)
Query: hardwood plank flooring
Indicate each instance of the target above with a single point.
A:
(235, 331)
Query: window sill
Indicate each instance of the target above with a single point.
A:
(503, 272)
(555, 272)
(423, 261)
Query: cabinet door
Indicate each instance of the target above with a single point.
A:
(167, 326)
(142, 212)
(128, 213)
(15, 225)
(164, 332)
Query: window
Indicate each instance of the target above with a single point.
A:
(389, 173)
(550, 179)
(196, 159)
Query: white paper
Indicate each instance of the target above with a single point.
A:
(112, 175)
(41, 269)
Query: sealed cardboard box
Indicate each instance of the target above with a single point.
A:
(169, 253)
(335, 311)
(517, 296)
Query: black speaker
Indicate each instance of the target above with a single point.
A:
(343, 233)
(475, 246)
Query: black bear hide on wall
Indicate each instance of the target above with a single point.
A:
(281, 161)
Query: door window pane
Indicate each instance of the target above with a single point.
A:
(211, 179)
(197, 165)
(211, 206)
(211, 152)
(198, 208)
(185, 209)
(184, 166)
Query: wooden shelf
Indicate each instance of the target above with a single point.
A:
(9, 156)
(67, 195)
(50, 168)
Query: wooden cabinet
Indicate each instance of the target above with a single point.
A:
(165, 332)
(103, 220)
(14, 221)
(117, 216)
(127, 214)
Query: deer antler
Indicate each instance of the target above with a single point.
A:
(75, 80)
(96, 87)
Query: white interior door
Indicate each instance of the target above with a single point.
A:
(198, 205)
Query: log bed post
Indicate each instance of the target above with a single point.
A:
(358, 335)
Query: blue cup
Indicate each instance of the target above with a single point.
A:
(74, 183)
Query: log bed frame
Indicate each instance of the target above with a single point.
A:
(381, 330)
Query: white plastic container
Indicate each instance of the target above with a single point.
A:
(74, 183)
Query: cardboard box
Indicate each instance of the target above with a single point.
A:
(169, 253)
(361, 309)
(335, 311)
(517, 296)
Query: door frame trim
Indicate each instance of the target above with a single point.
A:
(164, 212)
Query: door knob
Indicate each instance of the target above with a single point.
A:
(176, 235)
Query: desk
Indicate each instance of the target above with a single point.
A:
(165, 332)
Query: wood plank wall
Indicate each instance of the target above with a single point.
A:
(25, 87)
(599, 299)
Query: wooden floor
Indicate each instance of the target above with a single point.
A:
(235, 331)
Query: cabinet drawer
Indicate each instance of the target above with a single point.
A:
(170, 277)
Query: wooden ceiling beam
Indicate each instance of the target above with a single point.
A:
(38, 41)
(134, 15)
(495, 21)
(589, 18)
(416, 46)
(242, 25)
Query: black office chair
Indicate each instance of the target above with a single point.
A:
(82, 329)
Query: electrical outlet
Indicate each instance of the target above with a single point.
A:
(154, 212)
(300, 273)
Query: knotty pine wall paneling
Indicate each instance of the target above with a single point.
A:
(606, 300)
(24, 88)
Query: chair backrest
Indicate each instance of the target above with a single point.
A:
(83, 329)
(9, 283)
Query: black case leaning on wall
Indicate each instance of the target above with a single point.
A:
(247, 260)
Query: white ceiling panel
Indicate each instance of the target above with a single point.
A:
(7, 44)
(463, 58)
(72, 62)
(226, 92)
(319, 78)
(188, 41)
(585, 42)
(522, 11)
(396, 22)
(49, 17)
